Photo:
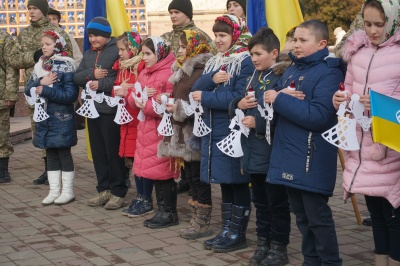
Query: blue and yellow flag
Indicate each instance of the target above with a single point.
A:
(279, 15)
(385, 120)
(113, 10)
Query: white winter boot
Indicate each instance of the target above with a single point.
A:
(67, 193)
(54, 185)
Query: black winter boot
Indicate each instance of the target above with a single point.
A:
(160, 203)
(226, 214)
(261, 251)
(277, 255)
(169, 216)
(42, 179)
(236, 237)
(4, 174)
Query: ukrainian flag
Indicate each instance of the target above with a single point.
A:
(385, 120)
(113, 10)
(279, 15)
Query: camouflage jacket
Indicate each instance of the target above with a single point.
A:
(357, 24)
(173, 36)
(9, 76)
(29, 41)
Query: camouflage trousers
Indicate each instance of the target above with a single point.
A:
(6, 148)
(31, 110)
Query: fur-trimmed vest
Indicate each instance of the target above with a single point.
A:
(183, 143)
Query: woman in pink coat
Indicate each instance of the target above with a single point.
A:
(374, 170)
(147, 166)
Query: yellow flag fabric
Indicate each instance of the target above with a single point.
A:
(282, 16)
(116, 15)
(88, 148)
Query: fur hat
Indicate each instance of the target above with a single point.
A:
(99, 26)
(41, 4)
(242, 3)
(55, 12)
(185, 6)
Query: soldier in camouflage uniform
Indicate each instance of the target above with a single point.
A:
(9, 81)
(181, 13)
(28, 46)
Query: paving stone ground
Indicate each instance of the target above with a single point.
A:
(75, 234)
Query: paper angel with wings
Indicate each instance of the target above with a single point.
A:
(231, 145)
(165, 126)
(88, 109)
(200, 128)
(39, 113)
(140, 95)
(343, 135)
(268, 114)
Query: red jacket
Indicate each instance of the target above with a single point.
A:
(128, 133)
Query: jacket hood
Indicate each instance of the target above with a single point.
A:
(311, 59)
(188, 66)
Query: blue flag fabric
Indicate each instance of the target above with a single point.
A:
(256, 15)
(94, 8)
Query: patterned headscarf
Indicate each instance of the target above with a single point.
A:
(240, 33)
(161, 47)
(196, 43)
(134, 43)
(59, 49)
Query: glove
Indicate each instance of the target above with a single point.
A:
(37, 55)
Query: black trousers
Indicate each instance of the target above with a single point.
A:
(272, 209)
(237, 194)
(59, 159)
(104, 136)
(201, 192)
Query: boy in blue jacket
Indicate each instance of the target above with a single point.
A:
(270, 201)
(301, 159)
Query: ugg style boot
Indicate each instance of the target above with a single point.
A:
(381, 260)
(261, 251)
(54, 185)
(236, 237)
(169, 215)
(226, 214)
(42, 179)
(67, 192)
(393, 262)
(201, 226)
(4, 174)
(277, 255)
(193, 207)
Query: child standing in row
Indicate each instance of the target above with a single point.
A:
(194, 52)
(147, 166)
(301, 159)
(270, 201)
(53, 78)
(104, 133)
(223, 80)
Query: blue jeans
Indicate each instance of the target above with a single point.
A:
(316, 225)
(385, 226)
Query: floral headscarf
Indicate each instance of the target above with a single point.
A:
(161, 47)
(134, 43)
(59, 49)
(196, 43)
(392, 13)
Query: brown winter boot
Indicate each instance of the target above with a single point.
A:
(201, 225)
(393, 262)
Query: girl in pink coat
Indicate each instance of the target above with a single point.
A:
(147, 166)
(374, 170)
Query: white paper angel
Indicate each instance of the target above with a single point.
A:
(39, 113)
(268, 114)
(200, 128)
(122, 116)
(140, 95)
(344, 135)
(165, 126)
(88, 109)
(231, 145)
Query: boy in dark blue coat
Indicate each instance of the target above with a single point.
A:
(301, 159)
(270, 201)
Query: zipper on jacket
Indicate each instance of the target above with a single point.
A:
(210, 143)
(301, 78)
(310, 145)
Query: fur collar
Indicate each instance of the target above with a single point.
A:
(188, 66)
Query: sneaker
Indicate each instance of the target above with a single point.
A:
(367, 221)
(142, 208)
(101, 199)
(114, 203)
(131, 207)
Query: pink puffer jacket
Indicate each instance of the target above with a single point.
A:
(146, 163)
(374, 170)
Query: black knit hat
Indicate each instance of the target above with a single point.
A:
(185, 6)
(41, 4)
(55, 12)
(99, 26)
(242, 3)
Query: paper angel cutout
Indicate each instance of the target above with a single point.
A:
(140, 95)
(343, 135)
(231, 145)
(200, 128)
(39, 113)
(88, 108)
(165, 126)
(31, 99)
(122, 116)
(111, 101)
(268, 114)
